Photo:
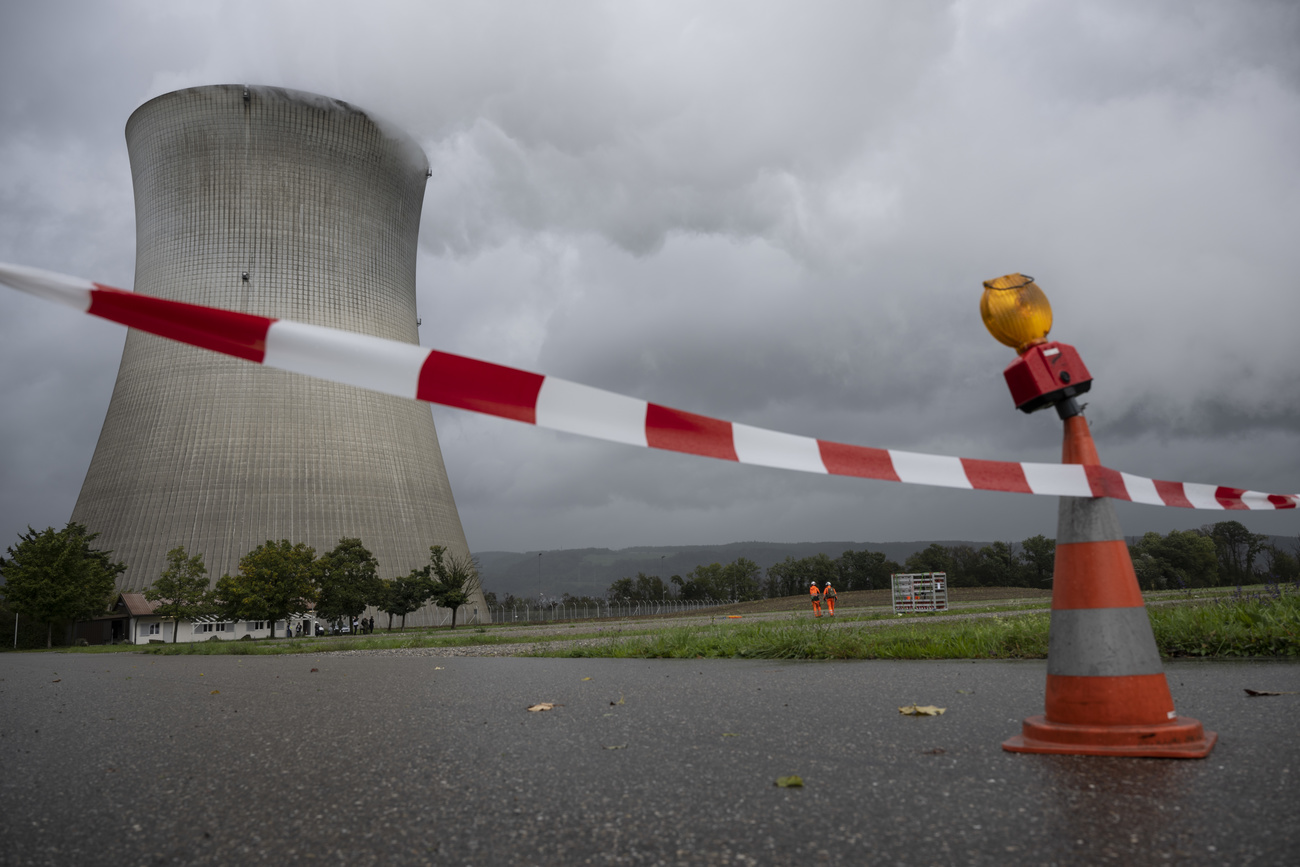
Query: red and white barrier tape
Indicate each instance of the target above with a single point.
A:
(407, 370)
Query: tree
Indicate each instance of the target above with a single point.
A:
(346, 581)
(1236, 548)
(965, 566)
(703, 582)
(1184, 558)
(1039, 557)
(863, 570)
(737, 580)
(642, 588)
(1281, 565)
(275, 579)
(791, 577)
(934, 558)
(998, 566)
(54, 576)
(454, 579)
(783, 579)
(402, 595)
(586, 601)
(182, 590)
(742, 575)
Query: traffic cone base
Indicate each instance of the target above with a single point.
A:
(1180, 738)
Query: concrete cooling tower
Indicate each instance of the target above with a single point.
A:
(288, 205)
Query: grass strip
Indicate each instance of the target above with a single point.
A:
(1012, 638)
(1260, 625)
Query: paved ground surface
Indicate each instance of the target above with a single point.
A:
(132, 759)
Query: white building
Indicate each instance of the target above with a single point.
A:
(144, 626)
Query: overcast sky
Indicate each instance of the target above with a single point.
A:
(774, 213)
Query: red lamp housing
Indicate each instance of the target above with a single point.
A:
(1046, 374)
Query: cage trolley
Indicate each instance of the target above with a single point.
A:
(920, 591)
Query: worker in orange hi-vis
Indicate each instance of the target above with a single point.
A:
(828, 594)
(816, 599)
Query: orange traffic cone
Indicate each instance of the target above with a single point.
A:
(1106, 690)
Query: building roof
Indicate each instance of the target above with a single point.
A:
(137, 606)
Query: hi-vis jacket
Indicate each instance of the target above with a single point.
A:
(829, 592)
(815, 593)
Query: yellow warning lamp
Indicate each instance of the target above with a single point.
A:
(1018, 314)
(1015, 311)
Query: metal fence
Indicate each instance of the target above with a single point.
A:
(552, 612)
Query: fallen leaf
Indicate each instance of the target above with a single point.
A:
(791, 782)
(922, 710)
(541, 706)
(937, 751)
(965, 691)
(57, 680)
(617, 747)
(437, 668)
(586, 678)
(315, 669)
(730, 735)
(215, 692)
(620, 700)
(1249, 692)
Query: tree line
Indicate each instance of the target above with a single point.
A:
(1221, 554)
(744, 580)
(1225, 553)
(56, 576)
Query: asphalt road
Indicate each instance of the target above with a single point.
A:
(366, 759)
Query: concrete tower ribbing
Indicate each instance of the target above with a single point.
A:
(288, 205)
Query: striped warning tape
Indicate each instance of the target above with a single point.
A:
(407, 370)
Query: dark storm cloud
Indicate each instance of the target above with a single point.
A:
(774, 214)
(660, 122)
(1211, 418)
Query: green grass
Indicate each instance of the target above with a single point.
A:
(1018, 637)
(1259, 625)
(1221, 627)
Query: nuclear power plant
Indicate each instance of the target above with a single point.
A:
(288, 205)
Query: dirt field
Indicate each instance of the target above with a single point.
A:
(881, 599)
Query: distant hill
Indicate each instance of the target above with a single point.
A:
(590, 571)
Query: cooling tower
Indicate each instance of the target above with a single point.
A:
(288, 205)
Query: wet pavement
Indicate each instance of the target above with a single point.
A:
(368, 759)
